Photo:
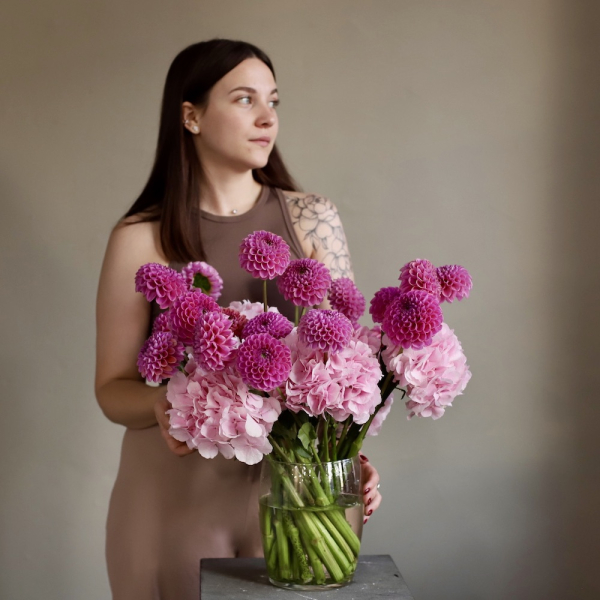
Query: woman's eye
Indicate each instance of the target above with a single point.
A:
(275, 103)
(244, 98)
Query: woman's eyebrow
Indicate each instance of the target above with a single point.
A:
(249, 89)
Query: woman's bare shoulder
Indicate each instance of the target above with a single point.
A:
(138, 238)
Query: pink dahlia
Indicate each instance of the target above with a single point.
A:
(161, 323)
(201, 275)
(238, 320)
(433, 376)
(273, 323)
(305, 282)
(419, 274)
(160, 356)
(412, 319)
(455, 281)
(214, 341)
(345, 297)
(381, 300)
(185, 312)
(325, 330)
(264, 255)
(159, 283)
(264, 362)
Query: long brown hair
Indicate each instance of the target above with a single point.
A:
(172, 193)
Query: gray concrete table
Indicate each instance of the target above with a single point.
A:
(246, 578)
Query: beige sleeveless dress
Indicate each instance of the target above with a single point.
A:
(167, 512)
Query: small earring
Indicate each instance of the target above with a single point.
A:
(186, 122)
(195, 128)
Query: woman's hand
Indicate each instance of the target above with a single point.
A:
(369, 482)
(161, 407)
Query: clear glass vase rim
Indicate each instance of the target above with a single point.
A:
(323, 462)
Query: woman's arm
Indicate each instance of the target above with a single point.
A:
(122, 317)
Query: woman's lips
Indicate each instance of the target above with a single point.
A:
(261, 142)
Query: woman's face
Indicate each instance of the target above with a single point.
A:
(241, 109)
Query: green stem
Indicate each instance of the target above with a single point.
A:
(339, 556)
(283, 549)
(298, 550)
(326, 439)
(337, 536)
(316, 564)
(343, 436)
(333, 440)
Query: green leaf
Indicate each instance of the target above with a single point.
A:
(302, 453)
(307, 435)
(202, 282)
(281, 431)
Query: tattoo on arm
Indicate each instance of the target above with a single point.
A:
(318, 222)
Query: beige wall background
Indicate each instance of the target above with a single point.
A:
(464, 131)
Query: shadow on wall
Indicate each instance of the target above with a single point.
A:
(574, 256)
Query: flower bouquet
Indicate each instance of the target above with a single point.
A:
(246, 382)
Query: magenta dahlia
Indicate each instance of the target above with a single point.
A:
(238, 320)
(214, 341)
(305, 282)
(325, 330)
(456, 282)
(185, 312)
(419, 274)
(264, 255)
(273, 323)
(264, 362)
(160, 356)
(161, 323)
(345, 297)
(412, 319)
(201, 275)
(159, 283)
(381, 300)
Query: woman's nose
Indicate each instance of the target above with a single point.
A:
(267, 117)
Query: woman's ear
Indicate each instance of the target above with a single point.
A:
(189, 117)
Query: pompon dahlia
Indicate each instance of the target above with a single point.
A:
(305, 282)
(346, 298)
(160, 356)
(273, 323)
(201, 275)
(264, 362)
(185, 312)
(325, 330)
(381, 300)
(161, 323)
(455, 281)
(264, 255)
(238, 320)
(159, 283)
(214, 341)
(419, 274)
(412, 319)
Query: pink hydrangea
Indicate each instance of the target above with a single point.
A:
(215, 412)
(203, 276)
(214, 341)
(433, 376)
(161, 323)
(346, 298)
(273, 323)
(412, 319)
(455, 281)
(381, 416)
(419, 274)
(305, 282)
(264, 255)
(185, 313)
(263, 362)
(160, 356)
(381, 300)
(238, 320)
(159, 283)
(325, 330)
(343, 385)
(369, 335)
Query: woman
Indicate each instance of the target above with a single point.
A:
(217, 176)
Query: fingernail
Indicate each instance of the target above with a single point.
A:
(369, 501)
(365, 521)
(363, 457)
(370, 512)
(367, 490)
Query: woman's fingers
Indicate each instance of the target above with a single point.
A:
(160, 409)
(370, 480)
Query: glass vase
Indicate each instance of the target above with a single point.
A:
(311, 517)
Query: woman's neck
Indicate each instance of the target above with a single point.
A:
(234, 194)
